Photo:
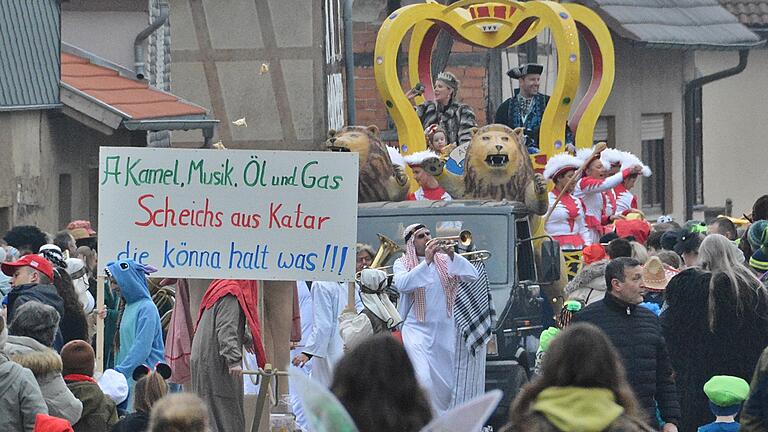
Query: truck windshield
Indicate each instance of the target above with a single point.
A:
(489, 232)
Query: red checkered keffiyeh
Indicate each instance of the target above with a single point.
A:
(449, 283)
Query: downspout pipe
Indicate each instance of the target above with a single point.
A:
(138, 44)
(349, 62)
(690, 125)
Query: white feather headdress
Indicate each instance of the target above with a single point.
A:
(559, 162)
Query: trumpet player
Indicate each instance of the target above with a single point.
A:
(427, 276)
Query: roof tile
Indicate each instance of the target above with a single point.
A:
(29, 43)
(752, 13)
(691, 24)
(131, 97)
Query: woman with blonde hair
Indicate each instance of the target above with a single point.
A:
(716, 323)
(179, 412)
(583, 387)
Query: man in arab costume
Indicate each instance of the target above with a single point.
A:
(427, 277)
(228, 319)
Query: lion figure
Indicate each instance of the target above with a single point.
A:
(382, 171)
(497, 167)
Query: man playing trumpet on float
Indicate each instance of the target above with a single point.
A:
(427, 276)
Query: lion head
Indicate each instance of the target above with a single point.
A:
(375, 165)
(497, 165)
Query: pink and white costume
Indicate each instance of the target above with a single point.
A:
(567, 224)
(591, 191)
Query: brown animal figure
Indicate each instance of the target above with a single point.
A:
(380, 178)
(497, 167)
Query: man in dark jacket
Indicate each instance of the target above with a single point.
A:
(636, 333)
(31, 278)
(754, 416)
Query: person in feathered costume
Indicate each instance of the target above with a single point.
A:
(429, 188)
(566, 223)
(626, 200)
(611, 159)
(591, 187)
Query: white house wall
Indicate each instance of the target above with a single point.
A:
(735, 126)
(650, 81)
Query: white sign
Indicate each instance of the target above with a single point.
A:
(233, 214)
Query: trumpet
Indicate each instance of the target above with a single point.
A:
(478, 255)
(464, 239)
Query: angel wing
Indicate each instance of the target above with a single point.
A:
(468, 417)
(324, 412)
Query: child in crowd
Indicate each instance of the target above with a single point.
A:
(725, 393)
(150, 387)
(99, 412)
(179, 412)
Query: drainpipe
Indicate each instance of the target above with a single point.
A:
(690, 125)
(138, 43)
(349, 62)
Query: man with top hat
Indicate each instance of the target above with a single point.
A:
(32, 280)
(526, 106)
(429, 188)
(427, 277)
(566, 222)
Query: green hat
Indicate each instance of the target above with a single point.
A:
(573, 305)
(725, 390)
(546, 337)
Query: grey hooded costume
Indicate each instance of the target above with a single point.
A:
(32, 332)
(46, 366)
(20, 397)
(589, 284)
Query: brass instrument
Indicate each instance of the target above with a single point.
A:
(387, 247)
(464, 239)
(478, 255)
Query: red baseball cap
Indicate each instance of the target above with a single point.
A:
(37, 262)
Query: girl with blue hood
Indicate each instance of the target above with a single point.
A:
(141, 335)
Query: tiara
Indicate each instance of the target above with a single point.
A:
(443, 76)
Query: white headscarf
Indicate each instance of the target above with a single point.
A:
(441, 261)
(372, 284)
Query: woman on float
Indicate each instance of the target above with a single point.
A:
(567, 223)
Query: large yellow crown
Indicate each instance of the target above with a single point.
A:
(499, 24)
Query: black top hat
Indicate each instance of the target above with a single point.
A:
(525, 69)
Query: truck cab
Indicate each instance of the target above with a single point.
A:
(503, 229)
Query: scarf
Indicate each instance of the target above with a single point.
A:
(376, 301)
(78, 378)
(449, 283)
(247, 294)
(178, 343)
